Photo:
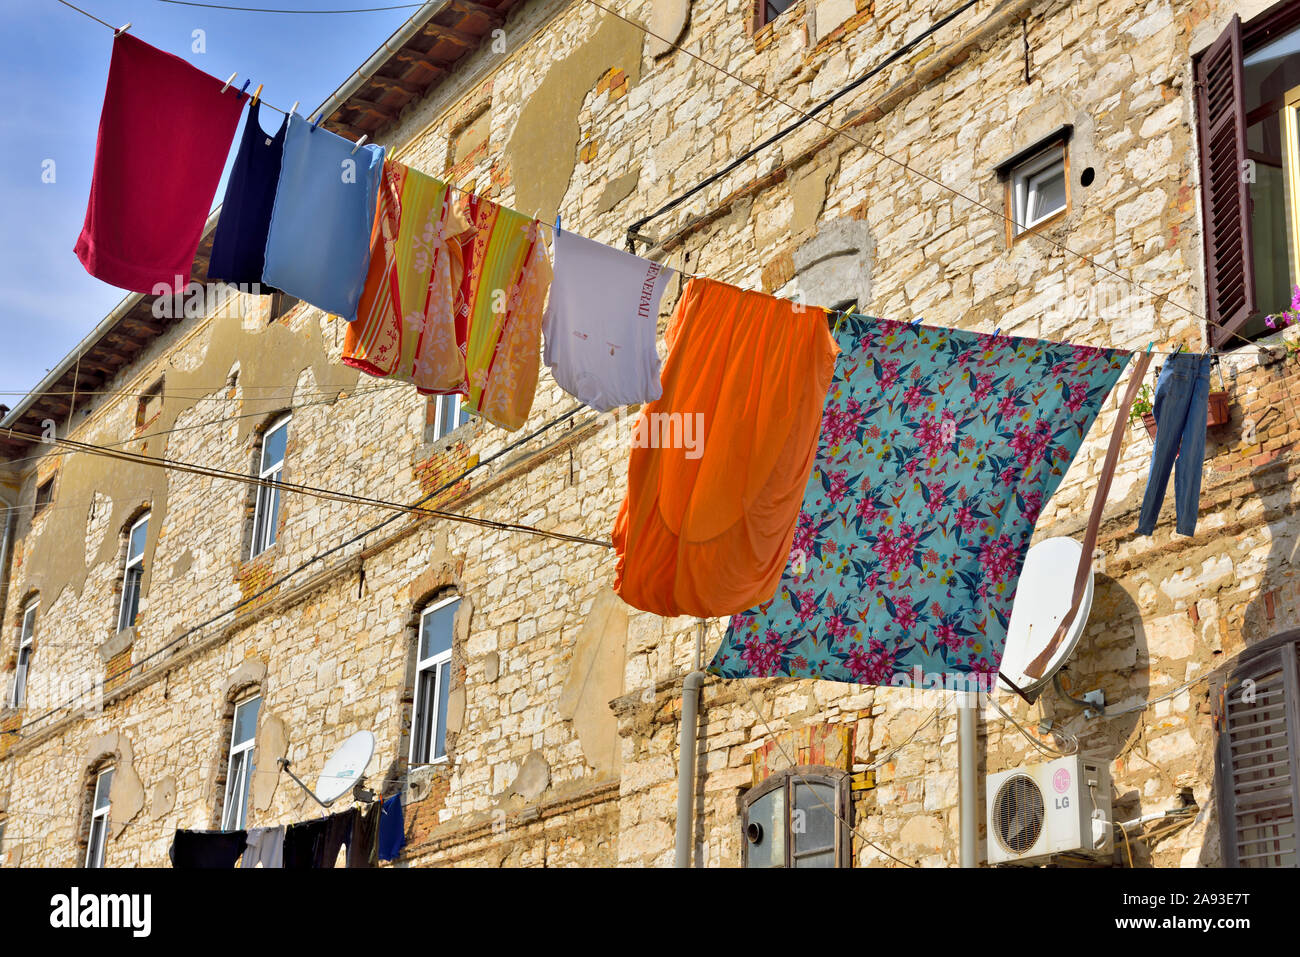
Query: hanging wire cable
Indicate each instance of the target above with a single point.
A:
(319, 557)
(223, 6)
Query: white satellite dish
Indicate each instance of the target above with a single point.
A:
(1043, 599)
(345, 767)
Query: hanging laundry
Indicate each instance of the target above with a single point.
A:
(318, 243)
(500, 274)
(164, 134)
(1181, 409)
(239, 243)
(392, 831)
(265, 847)
(720, 461)
(363, 849)
(338, 831)
(601, 321)
(302, 842)
(405, 326)
(211, 849)
(938, 450)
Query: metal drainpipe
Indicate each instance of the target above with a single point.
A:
(968, 800)
(686, 755)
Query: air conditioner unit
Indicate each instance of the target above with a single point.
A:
(1037, 812)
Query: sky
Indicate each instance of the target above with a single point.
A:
(53, 66)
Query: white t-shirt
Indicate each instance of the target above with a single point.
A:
(600, 323)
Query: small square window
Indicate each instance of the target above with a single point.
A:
(44, 495)
(149, 404)
(1038, 188)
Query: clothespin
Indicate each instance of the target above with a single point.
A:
(257, 94)
(997, 332)
(557, 224)
(225, 86)
(122, 29)
(360, 142)
(1150, 346)
(245, 88)
(915, 323)
(294, 108)
(316, 122)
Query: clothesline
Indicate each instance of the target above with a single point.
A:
(685, 274)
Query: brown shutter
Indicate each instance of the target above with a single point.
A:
(1257, 774)
(1225, 198)
(755, 16)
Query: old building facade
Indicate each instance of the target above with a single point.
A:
(186, 631)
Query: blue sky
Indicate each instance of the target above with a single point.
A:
(53, 66)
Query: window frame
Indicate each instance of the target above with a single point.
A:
(788, 780)
(238, 785)
(1021, 187)
(26, 649)
(440, 665)
(267, 497)
(143, 417)
(44, 496)
(97, 839)
(133, 565)
(1280, 654)
(440, 431)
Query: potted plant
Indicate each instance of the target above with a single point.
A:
(1143, 409)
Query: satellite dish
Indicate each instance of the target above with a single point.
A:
(1043, 599)
(345, 768)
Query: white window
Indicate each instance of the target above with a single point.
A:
(24, 654)
(133, 574)
(449, 414)
(266, 514)
(432, 681)
(239, 770)
(1038, 188)
(99, 809)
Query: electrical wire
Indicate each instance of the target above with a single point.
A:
(320, 556)
(903, 164)
(223, 6)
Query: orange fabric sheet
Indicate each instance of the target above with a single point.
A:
(706, 526)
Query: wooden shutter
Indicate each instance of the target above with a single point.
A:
(1225, 196)
(755, 16)
(1259, 746)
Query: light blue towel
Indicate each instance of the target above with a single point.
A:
(318, 244)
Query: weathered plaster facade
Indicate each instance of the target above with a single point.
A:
(563, 717)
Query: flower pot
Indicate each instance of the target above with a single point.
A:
(1218, 413)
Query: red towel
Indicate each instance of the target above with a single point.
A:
(164, 134)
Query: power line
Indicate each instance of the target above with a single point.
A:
(222, 6)
(842, 131)
(320, 556)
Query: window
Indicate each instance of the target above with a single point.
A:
(44, 495)
(281, 302)
(765, 11)
(99, 808)
(1259, 745)
(149, 404)
(446, 414)
(1038, 189)
(432, 681)
(798, 819)
(266, 513)
(133, 573)
(1247, 97)
(239, 767)
(24, 654)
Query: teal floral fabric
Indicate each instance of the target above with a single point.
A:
(938, 449)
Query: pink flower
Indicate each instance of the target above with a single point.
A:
(997, 557)
(838, 486)
(905, 615)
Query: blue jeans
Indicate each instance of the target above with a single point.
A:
(1181, 408)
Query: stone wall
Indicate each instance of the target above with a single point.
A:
(565, 704)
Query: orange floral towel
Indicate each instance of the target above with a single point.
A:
(719, 463)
